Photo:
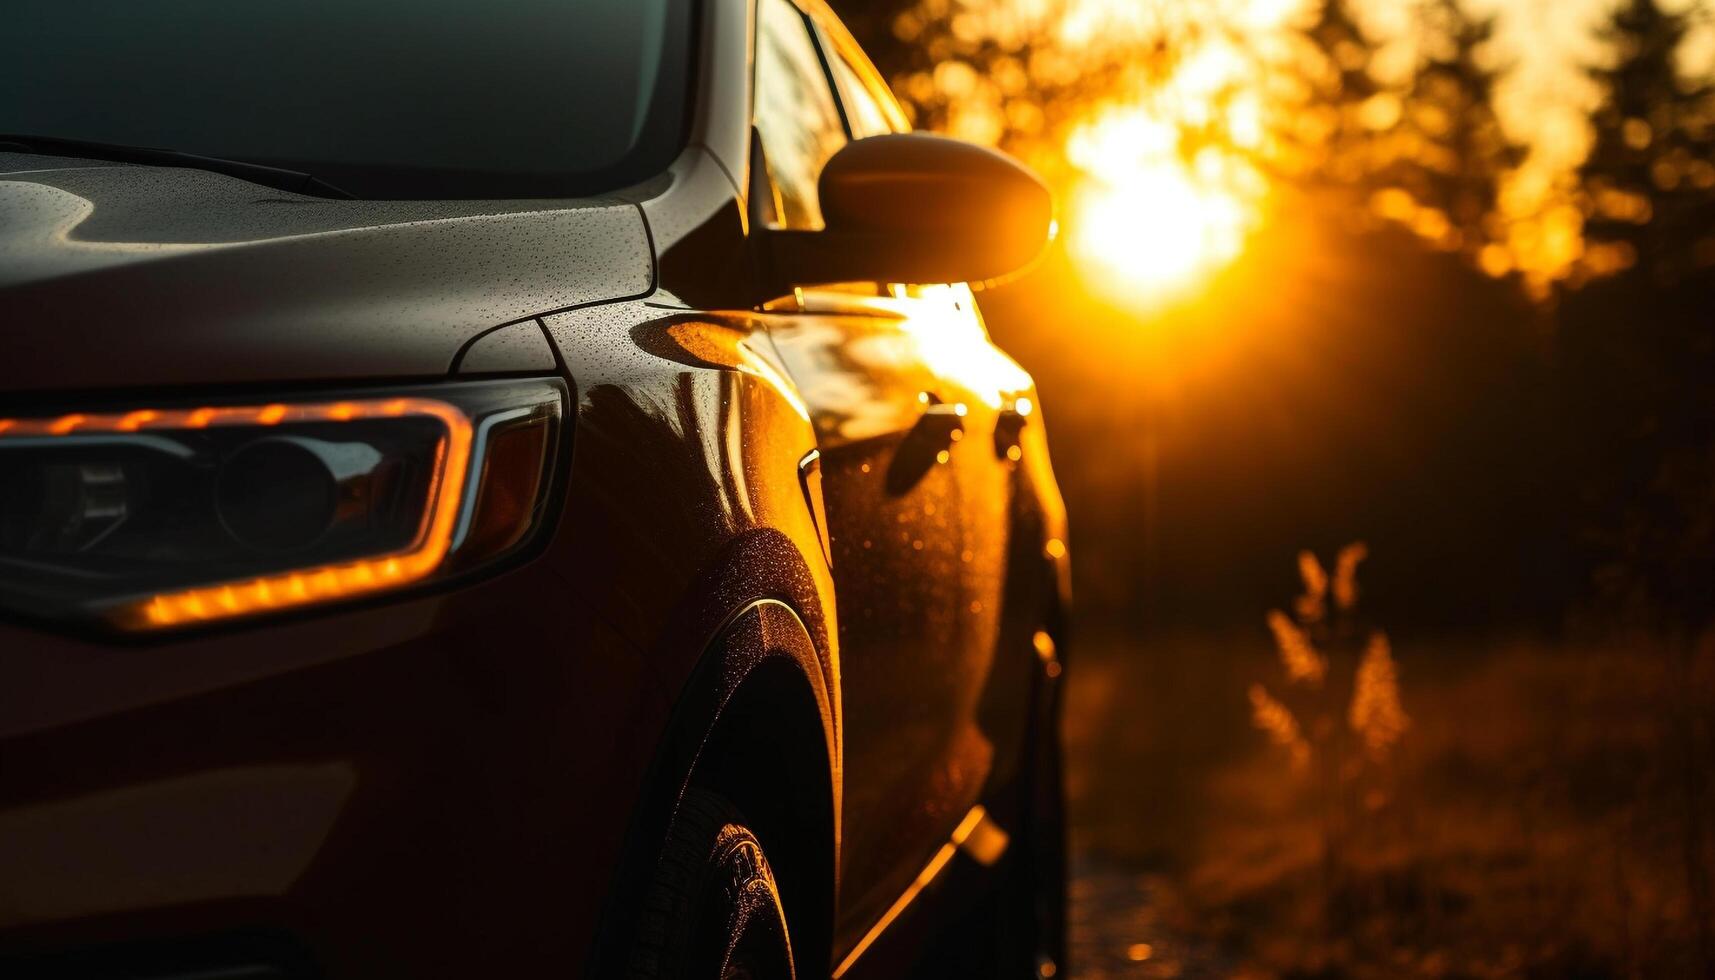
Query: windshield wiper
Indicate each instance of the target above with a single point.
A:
(276, 177)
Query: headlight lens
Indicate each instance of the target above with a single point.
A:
(155, 518)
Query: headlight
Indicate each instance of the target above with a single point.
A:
(153, 518)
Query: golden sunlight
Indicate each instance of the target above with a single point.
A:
(1146, 226)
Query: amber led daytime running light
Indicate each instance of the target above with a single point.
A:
(303, 586)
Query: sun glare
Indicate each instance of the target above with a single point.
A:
(1147, 227)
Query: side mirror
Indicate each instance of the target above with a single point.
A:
(916, 208)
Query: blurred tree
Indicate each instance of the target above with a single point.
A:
(1651, 169)
(1640, 340)
(1340, 87)
(877, 26)
(1425, 146)
(1451, 149)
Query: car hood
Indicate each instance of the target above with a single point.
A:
(129, 276)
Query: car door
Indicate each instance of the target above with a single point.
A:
(917, 534)
(996, 399)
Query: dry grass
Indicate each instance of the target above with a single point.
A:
(1532, 820)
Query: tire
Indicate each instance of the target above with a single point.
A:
(713, 911)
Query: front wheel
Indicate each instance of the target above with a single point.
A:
(713, 911)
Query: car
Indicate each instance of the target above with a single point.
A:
(513, 490)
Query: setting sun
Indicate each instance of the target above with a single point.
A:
(1146, 226)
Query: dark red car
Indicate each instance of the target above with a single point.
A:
(475, 501)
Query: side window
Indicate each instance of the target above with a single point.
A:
(870, 108)
(795, 111)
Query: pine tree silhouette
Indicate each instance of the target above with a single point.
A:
(1461, 151)
(1641, 343)
(1651, 170)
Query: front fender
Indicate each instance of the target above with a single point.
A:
(757, 723)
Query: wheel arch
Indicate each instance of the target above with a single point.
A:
(771, 755)
(756, 722)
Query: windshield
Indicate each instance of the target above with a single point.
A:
(382, 98)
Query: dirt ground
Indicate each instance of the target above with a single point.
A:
(1130, 782)
(1539, 816)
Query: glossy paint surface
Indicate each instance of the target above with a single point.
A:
(183, 277)
(474, 780)
(914, 660)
